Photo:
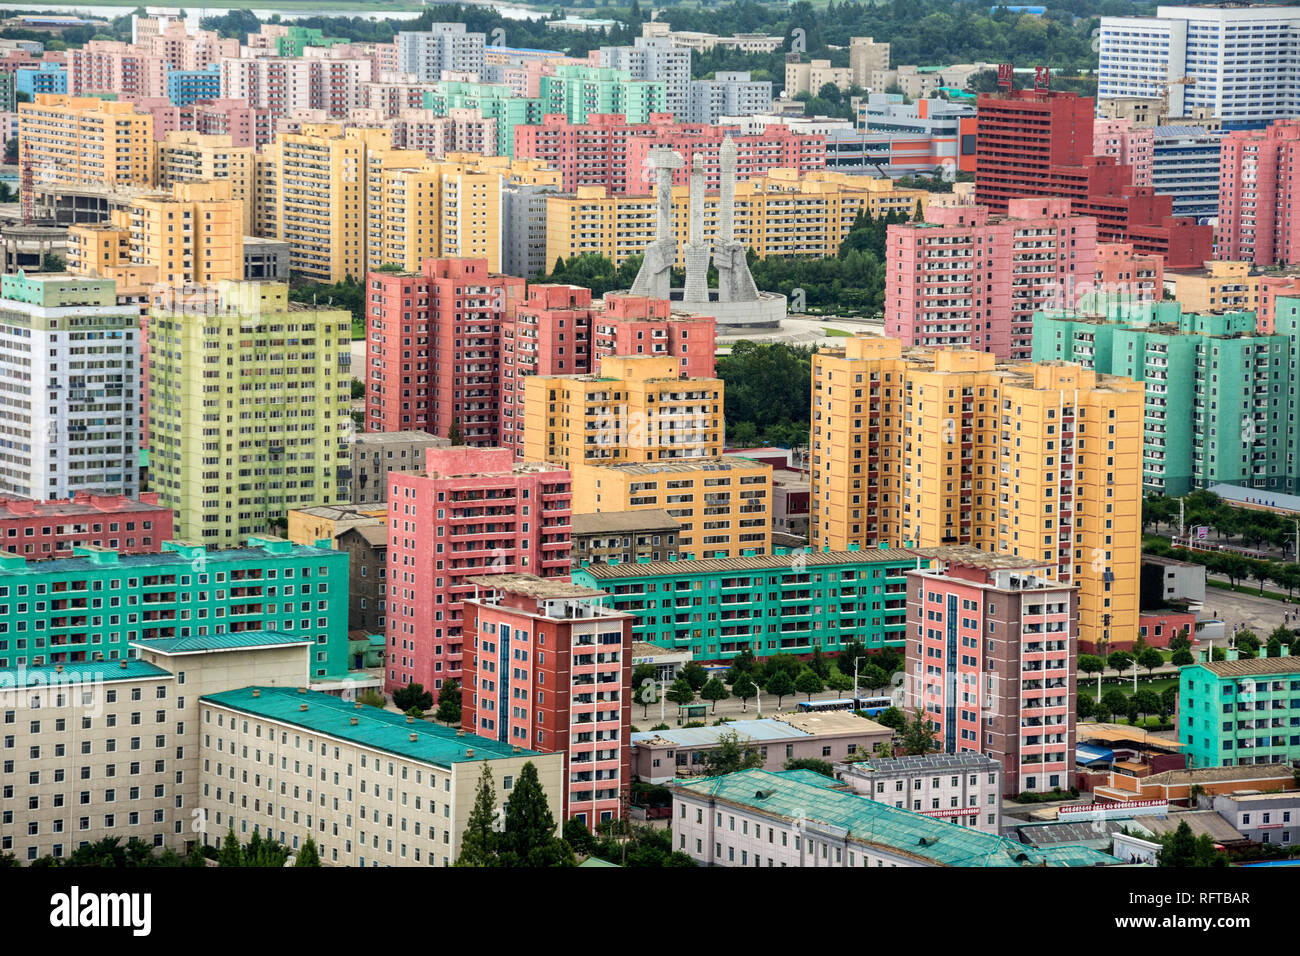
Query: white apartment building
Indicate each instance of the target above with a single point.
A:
(69, 387)
(961, 788)
(656, 60)
(728, 94)
(1243, 63)
(444, 46)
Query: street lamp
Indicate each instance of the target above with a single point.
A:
(855, 676)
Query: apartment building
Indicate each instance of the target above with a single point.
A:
(1221, 286)
(787, 602)
(51, 529)
(84, 141)
(1129, 144)
(938, 447)
(1256, 191)
(473, 511)
(964, 788)
(622, 538)
(1124, 272)
(1240, 711)
(375, 454)
(187, 156)
(443, 47)
(729, 93)
(562, 663)
(1185, 167)
(433, 348)
(1233, 61)
(965, 279)
(285, 85)
(990, 659)
(236, 446)
(637, 409)
(71, 387)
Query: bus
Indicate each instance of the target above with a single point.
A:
(871, 706)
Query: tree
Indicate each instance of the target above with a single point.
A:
(454, 434)
(780, 685)
(873, 677)
(479, 842)
(52, 263)
(308, 855)
(787, 664)
(1085, 707)
(529, 837)
(1115, 701)
(371, 698)
(449, 703)
(412, 695)
(893, 718)
(197, 857)
(1090, 664)
(1182, 849)
(732, 754)
(715, 691)
(1151, 659)
(819, 664)
(1169, 699)
(1147, 702)
(744, 688)
(645, 677)
(1180, 641)
(813, 764)
(231, 853)
(918, 735)
(578, 836)
(1119, 660)
(1247, 643)
(681, 693)
(1182, 657)
(839, 682)
(742, 663)
(695, 674)
(809, 683)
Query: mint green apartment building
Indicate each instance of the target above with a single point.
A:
(783, 603)
(577, 91)
(1238, 712)
(92, 606)
(494, 100)
(1219, 403)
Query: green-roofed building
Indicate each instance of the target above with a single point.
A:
(96, 604)
(1240, 711)
(493, 100)
(577, 91)
(1219, 399)
(297, 38)
(765, 819)
(343, 762)
(783, 603)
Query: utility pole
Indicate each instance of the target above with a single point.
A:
(1135, 675)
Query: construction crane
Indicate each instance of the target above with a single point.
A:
(1164, 95)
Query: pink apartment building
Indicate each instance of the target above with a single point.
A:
(460, 131)
(474, 511)
(991, 659)
(50, 529)
(606, 151)
(1259, 195)
(111, 66)
(434, 348)
(1130, 145)
(1270, 287)
(967, 279)
(547, 668)
(285, 85)
(1122, 270)
(558, 330)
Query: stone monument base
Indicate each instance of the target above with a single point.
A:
(766, 313)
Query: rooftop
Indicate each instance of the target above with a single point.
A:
(241, 640)
(86, 672)
(530, 585)
(400, 438)
(1252, 667)
(1200, 821)
(1175, 778)
(105, 559)
(653, 519)
(888, 765)
(725, 463)
(977, 558)
(374, 728)
(832, 722)
(71, 507)
(756, 563)
(753, 730)
(794, 797)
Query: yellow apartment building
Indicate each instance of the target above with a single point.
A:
(184, 156)
(921, 447)
(780, 214)
(1220, 286)
(724, 504)
(84, 141)
(636, 410)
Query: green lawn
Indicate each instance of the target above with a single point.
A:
(839, 333)
(1088, 685)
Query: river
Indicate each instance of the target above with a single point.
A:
(508, 10)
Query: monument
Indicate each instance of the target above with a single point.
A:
(736, 303)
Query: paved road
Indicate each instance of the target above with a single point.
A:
(731, 707)
(1260, 614)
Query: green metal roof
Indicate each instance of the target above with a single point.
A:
(891, 828)
(375, 728)
(220, 642)
(594, 862)
(85, 672)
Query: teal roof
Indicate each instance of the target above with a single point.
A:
(85, 672)
(801, 794)
(375, 728)
(594, 862)
(220, 642)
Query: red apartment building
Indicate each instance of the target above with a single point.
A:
(1259, 195)
(606, 151)
(1124, 271)
(549, 669)
(966, 279)
(473, 511)
(558, 330)
(433, 348)
(991, 658)
(1038, 143)
(50, 529)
